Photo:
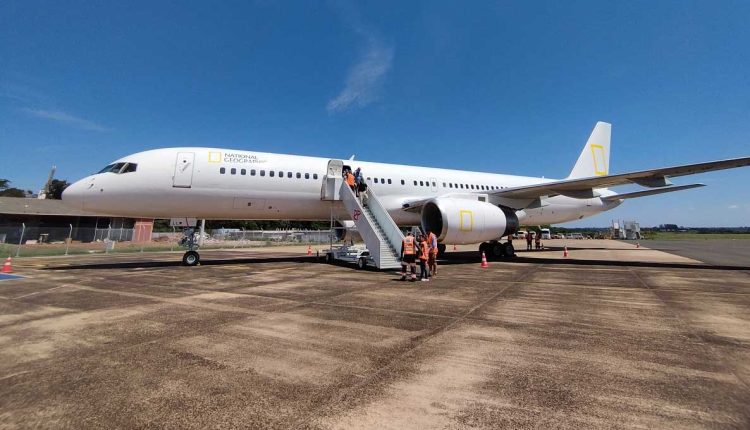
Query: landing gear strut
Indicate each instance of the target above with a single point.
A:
(495, 250)
(191, 257)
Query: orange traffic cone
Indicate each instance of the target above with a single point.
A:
(565, 251)
(484, 261)
(309, 250)
(7, 267)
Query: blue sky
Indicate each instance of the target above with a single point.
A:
(510, 87)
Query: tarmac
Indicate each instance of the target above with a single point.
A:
(613, 336)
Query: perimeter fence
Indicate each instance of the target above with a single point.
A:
(26, 241)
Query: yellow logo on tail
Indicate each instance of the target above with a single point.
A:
(600, 163)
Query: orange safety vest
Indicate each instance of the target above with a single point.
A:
(432, 238)
(350, 179)
(408, 245)
(425, 250)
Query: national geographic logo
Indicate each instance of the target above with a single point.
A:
(234, 157)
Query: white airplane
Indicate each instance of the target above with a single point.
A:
(215, 183)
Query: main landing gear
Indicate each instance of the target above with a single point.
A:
(191, 257)
(495, 250)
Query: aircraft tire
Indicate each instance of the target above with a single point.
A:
(510, 252)
(497, 250)
(191, 258)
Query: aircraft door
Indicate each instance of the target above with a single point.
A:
(335, 168)
(183, 170)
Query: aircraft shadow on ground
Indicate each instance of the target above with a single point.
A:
(472, 258)
(174, 263)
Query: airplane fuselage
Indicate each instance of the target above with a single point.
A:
(213, 183)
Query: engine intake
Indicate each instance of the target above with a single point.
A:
(462, 221)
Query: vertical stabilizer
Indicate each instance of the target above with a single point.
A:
(594, 159)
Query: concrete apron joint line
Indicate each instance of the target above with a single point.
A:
(419, 342)
(690, 329)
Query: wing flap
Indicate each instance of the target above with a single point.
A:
(651, 192)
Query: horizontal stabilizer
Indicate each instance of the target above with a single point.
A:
(651, 192)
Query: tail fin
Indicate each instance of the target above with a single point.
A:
(594, 159)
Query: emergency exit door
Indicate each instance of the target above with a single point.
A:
(183, 170)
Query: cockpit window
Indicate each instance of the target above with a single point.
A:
(119, 168)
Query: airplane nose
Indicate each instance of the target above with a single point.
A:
(74, 195)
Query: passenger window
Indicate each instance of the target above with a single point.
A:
(262, 173)
(315, 176)
(222, 170)
(433, 184)
(415, 183)
(271, 173)
(252, 172)
(243, 172)
(299, 175)
(421, 183)
(233, 171)
(307, 176)
(402, 182)
(389, 181)
(281, 174)
(288, 174)
(450, 185)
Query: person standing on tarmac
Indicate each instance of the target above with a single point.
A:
(538, 240)
(424, 255)
(529, 239)
(432, 262)
(408, 256)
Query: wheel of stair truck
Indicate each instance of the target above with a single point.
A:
(510, 252)
(361, 263)
(191, 258)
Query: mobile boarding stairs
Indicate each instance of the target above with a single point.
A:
(380, 233)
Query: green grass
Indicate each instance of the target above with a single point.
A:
(695, 236)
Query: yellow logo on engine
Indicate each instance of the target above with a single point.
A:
(465, 220)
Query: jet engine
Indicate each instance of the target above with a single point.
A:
(346, 231)
(462, 221)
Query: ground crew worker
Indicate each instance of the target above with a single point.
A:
(538, 240)
(529, 238)
(408, 256)
(424, 255)
(432, 239)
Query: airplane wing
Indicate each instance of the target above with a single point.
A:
(583, 187)
(651, 192)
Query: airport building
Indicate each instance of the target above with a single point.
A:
(34, 220)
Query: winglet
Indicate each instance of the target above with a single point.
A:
(594, 159)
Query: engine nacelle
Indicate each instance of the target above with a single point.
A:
(461, 221)
(346, 231)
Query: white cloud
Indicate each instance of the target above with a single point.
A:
(64, 118)
(366, 76)
(733, 207)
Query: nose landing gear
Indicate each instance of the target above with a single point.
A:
(191, 256)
